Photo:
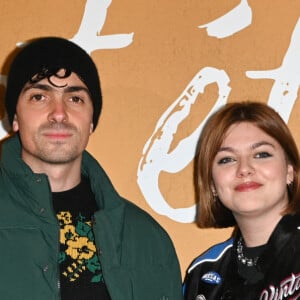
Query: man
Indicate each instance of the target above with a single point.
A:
(65, 233)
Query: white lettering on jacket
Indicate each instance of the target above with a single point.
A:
(287, 288)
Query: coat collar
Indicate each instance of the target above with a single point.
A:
(286, 227)
(109, 219)
(279, 239)
(106, 195)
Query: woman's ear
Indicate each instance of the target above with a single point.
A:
(290, 174)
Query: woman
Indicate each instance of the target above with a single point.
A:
(248, 177)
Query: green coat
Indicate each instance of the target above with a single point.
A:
(137, 256)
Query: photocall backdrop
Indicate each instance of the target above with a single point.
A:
(165, 66)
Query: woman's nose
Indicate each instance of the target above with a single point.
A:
(245, 168)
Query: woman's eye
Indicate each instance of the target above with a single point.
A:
(225, 160)
(262, 155)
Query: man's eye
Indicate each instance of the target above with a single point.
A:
(262, 155)
(37, 97)
(76, 99)
(225, 160)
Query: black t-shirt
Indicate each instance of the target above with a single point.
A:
(80, 269)
(251, 274)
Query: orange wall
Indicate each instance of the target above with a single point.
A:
(148, 53)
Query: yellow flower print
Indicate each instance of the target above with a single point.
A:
(64, 217)
(80, 248)
(67, 233)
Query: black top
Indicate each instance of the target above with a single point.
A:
(80, 270)
(250, 273)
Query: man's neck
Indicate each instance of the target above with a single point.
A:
(62, 177)
(63, 180)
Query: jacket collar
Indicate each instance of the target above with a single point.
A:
(11, 157)
(286, 227)
(112, 206)
(106, 195)
(279, 239)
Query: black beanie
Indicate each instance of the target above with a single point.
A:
(51, 53)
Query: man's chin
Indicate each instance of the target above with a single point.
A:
(58, 157)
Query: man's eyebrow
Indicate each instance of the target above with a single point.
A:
(47, 87)
(76, 88)
(39, 86)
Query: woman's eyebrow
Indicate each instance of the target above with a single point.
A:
(262, 143)
(227, 149)
(254, 146)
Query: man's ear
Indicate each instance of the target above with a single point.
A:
(91, 128)
(15, 124)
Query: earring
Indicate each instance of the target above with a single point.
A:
(215, 195)
(290, 186)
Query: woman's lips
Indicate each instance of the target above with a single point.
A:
(248, 186)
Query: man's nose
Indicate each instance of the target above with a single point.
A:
(58, 112)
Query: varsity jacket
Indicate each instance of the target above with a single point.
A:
(214, 275)
(137, 256)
